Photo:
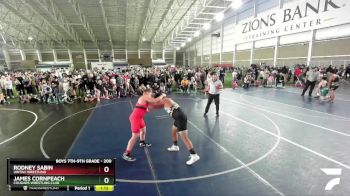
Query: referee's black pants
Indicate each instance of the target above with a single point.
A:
(312, 86)
(216, 100)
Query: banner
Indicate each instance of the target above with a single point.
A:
(102, 65)
(294, 17)
(158, 62)
(223, 65)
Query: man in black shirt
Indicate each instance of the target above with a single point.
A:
(20, 85)
(347, 71)
(329, 69)
(222, 75)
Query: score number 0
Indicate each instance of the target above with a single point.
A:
(106, 170)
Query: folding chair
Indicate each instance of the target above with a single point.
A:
(298, 83)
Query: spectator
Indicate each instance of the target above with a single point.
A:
(193, 85)
(297, 72)
(185, 85)
(347, 71)
(9, 88)
(222, 74)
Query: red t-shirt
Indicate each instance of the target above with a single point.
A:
(297, 72)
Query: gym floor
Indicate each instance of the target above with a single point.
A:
(265, 142)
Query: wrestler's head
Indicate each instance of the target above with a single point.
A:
(146, 91)
(156, 94)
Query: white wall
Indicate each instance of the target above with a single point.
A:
(216, 43)
(206, 45)
(229, 39)
(265, 43)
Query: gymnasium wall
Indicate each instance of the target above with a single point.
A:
(331, 44)
(78, 59)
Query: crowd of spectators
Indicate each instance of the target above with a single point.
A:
(65, 86)
(60, 85)
(268, 76)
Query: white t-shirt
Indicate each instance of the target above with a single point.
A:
(8, 84)
(212, 86)
(2, 83)
(65, 86)
(234, 75)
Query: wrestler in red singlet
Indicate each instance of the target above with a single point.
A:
(136, 118)
(138, 126)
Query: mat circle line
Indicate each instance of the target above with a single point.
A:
(42, 149)
(24, 130)
(176, 179)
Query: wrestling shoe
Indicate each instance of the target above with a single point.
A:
(173, 148)
(144, 145)
(193, 158)
(128, 157)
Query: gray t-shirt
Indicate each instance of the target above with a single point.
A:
(312, 75)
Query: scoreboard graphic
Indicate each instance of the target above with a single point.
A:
(61, 175)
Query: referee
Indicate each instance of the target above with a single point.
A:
(311, 78)
(214, 87)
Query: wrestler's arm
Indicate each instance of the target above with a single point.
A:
(154, 100)
(159, 104)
